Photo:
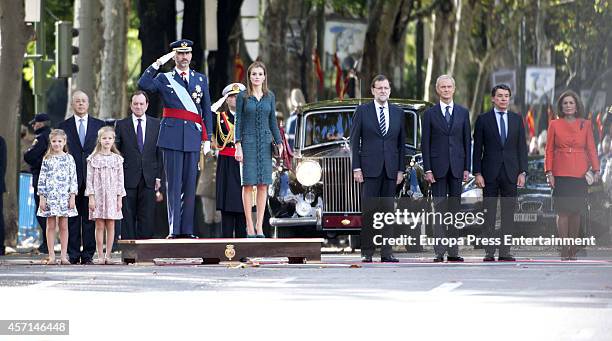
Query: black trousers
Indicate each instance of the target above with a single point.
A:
(446, 192)
(1, 224)
(138, 212)
(502, 187)
(233, 224)
(381, 187)
(81, 229)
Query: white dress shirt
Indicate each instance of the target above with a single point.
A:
(143, 124)
(186, 74)
(77, 121)
(497, 117)
(450, 106)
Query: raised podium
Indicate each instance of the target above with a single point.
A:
(212, 251)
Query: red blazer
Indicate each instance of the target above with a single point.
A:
(570, 148)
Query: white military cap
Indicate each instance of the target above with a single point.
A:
(233, 89)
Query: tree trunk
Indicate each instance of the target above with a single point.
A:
(384, 47)
(443, 45)
(273, 48)
(14, 36)
(221, 61)
(193, 17)
(157, 30)
(88, 21)
(112, 94)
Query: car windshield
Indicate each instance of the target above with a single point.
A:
(328, 127)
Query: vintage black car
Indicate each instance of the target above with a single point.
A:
(316, 190)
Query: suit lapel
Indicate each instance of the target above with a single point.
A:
(91, 134)
(441, 119)
(129, 126)
(150, 132)
(72, 131)
(374, 118)
(493, 124)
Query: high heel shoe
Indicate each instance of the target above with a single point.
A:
(49, 261)
(260, 236)
(251, 236)
(64, 261)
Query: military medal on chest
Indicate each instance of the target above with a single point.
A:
(197, 94)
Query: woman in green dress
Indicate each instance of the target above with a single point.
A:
(255, 130)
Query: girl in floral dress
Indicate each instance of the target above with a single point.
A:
(57, 188)
(105, 190)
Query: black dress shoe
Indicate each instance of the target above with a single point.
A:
(389, 259)
(507, 258)
(488, 259)
(172, 236)
(454, 259)
(438, 259)
(189, 236)
(74, 261)
(87, 262)
(366, 259)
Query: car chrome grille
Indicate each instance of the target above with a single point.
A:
(341, 194)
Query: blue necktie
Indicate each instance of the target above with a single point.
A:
(139, 135)
(382, 122)
(447, 115)
(502, 127)
(82, 132)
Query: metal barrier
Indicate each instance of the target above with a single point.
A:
(29, 232)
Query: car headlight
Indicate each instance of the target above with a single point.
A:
(308, 173)
(309, 197)
(302, 208)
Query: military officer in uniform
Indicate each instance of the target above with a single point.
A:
(229, 190)
(185, 129)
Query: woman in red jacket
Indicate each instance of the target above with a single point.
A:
(570, 153)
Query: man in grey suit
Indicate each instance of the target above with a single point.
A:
(446, 144)
(136, 139)
(378, 140)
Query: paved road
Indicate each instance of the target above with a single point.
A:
(533, 299)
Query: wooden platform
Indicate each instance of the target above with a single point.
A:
(297, 250)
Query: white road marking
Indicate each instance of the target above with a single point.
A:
(445, 287)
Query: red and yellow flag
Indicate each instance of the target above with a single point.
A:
(317, 66)
(238, 69)
(339, 80)
(530, 121)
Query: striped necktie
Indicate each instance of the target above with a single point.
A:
(382, 122)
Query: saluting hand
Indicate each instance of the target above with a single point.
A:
(165, 58)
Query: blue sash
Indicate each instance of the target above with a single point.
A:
(182, 94)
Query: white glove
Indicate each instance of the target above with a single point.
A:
(163, 59)
(206, 147)
(218, 103)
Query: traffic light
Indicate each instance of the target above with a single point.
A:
(64, 49)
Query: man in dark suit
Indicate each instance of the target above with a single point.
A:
(446, 146)
(136, 139)
(186, 128)
(500, 166)
(34, 157)
(2, 190)
(378, 155)
(82, 131)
